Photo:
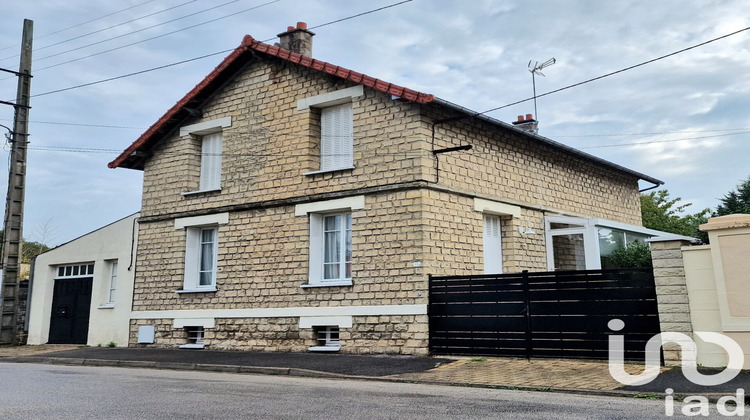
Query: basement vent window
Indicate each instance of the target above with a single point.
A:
(195, 338)
(327, 339)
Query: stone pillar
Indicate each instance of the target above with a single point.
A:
(671, 293)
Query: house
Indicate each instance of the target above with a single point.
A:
(291, 204)
(82, 291)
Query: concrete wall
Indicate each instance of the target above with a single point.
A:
(107, 323)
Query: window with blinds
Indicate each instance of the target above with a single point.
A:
(336, 128)
(211, 150)
(493, 256)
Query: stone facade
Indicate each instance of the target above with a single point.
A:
(416, 220)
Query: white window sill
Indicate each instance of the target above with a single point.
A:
(106, 306)
(324, 348)
(185, 194)
(206, 290)
(193, 346)
(328, 284)
(325, 171)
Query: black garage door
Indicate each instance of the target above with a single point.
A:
(71, 304)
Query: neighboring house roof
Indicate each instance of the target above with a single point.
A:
(247, 51)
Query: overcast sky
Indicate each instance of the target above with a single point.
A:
(682, 119)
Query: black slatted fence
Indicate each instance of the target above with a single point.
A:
(547, 314)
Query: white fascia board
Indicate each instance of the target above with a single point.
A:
(206, 127)
(334, 311)
(331, 98)
(348, 203)
(194, 322)
(493, 207)
(320, 321)
(207, 220)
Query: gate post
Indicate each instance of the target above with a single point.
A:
(527, 311)
(671, 293)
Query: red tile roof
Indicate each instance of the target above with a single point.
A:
(177, 113)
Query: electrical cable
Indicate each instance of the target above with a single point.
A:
(84, 23)
(37, 49)
(201, 57)
(616, 72)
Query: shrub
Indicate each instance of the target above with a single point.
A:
(633, 255)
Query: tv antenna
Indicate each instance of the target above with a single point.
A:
(535, 68)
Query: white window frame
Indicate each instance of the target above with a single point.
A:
(336, 127)
(112, 289)
(74, 271)
(589, 228)
(194, 228)
(317, 212)
(211, 134)
(492, 244)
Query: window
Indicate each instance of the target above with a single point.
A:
(211, 136)
(201, 259)
(337, 247)
(336, 127)
(211, 149)
(78, 270)
(336, 138)
(493, 256)
(330, 240)
(195, 338)
(326, 338)
(201, 250)
(112, 282)
(575, 243)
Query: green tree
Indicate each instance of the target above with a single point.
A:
(737, 201)
(661, 212)
(29, 249)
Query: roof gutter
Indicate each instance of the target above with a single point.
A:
(544, 140)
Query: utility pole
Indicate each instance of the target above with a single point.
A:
(14, 202)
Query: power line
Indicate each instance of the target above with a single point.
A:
(102, 30)
(156, 37)
(131, 74)
(617, 71)
(83, 23)
(205, 56)
(662, 141)
(79, 124)
(137, 31)
(653, 133)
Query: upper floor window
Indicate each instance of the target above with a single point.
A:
(211, 136)
(336, 138)
(336, 127)
(211, 162)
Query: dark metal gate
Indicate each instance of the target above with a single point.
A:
(71, 305)
(548, 314)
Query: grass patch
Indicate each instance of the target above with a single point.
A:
(477, 360)
(647, 396)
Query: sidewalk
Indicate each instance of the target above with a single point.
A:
(565, 375)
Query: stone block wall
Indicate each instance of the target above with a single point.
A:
(368, 335)
(509, 165)
(671, 294)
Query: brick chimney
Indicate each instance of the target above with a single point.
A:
(527, 123)
(297, 39)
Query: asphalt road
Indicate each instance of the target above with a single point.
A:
(31, 391)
